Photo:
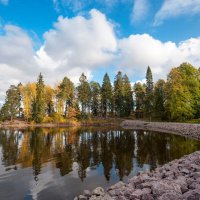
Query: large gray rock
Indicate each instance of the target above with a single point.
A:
(117, 186)
(137, 194)
(99, 191)
(170, 196)
(87, 193)
(161, 187)
(81, 197)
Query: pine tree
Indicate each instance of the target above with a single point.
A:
(159, 99)
(106, 96)
(49, 96)
(128, 97)
(118, 94)
(84, 94)
(66, 93)
(95, 98)
(149, 93)
(38, 108)
(139, 104)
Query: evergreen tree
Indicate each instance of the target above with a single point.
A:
(11, 107)
(149, 93)
(128, 96)
(159, 99)
(139, 104)
(95, 98)
(118, 94)
(66, 93)
(106, 96)
(84, 94)
(38, 108)
(49, 96)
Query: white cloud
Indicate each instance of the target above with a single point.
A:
(139, 51)
(16, 57)
(80, 44)
(174, 8)
(140, 10)
(73, 46)
(4, 2)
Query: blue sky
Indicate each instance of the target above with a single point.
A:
(66, 37)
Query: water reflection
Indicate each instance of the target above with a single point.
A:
(81, 151)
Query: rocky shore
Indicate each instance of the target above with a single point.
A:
(185, 129)
(177, 180)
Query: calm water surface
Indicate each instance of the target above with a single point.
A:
(61, 163)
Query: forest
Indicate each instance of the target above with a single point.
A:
(175, 99)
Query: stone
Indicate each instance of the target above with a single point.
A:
(170, 196)
(146, 191)
(183, 184)
(136, 194)
(128, 193)
(106, 197)
(117, 186)
(185, 171)
(196, 175)
(87, 193)
(99, 191)
(161, 187)
(147, 197)
(81, 197)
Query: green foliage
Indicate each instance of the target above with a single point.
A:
(11, 107)
(84, 94)
(159, 99)
(118, 94)
(139, 91)
(149, 93)
(177, 99)
(39, 106)
(95, 98)
(66, 93)
(106, 96)
(183, 93)
(127, 97)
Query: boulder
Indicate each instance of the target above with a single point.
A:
(99, 191)
(161, 187)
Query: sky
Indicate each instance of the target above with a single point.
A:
(67, 37)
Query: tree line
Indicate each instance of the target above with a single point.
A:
(176, 99)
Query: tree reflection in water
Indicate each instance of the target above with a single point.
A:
(82, 149)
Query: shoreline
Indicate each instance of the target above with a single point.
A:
(183, 129)
(24, 125)
(176, 180)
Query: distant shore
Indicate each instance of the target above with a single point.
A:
(185, 129)
(84, 123)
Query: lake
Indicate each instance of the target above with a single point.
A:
(60, 163)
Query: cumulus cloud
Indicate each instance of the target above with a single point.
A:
(139, 51)
(85, 44)
(174, 8)
(73, 46)
(78, 43)
(140, 10)
(16, 57)
(4, 2)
